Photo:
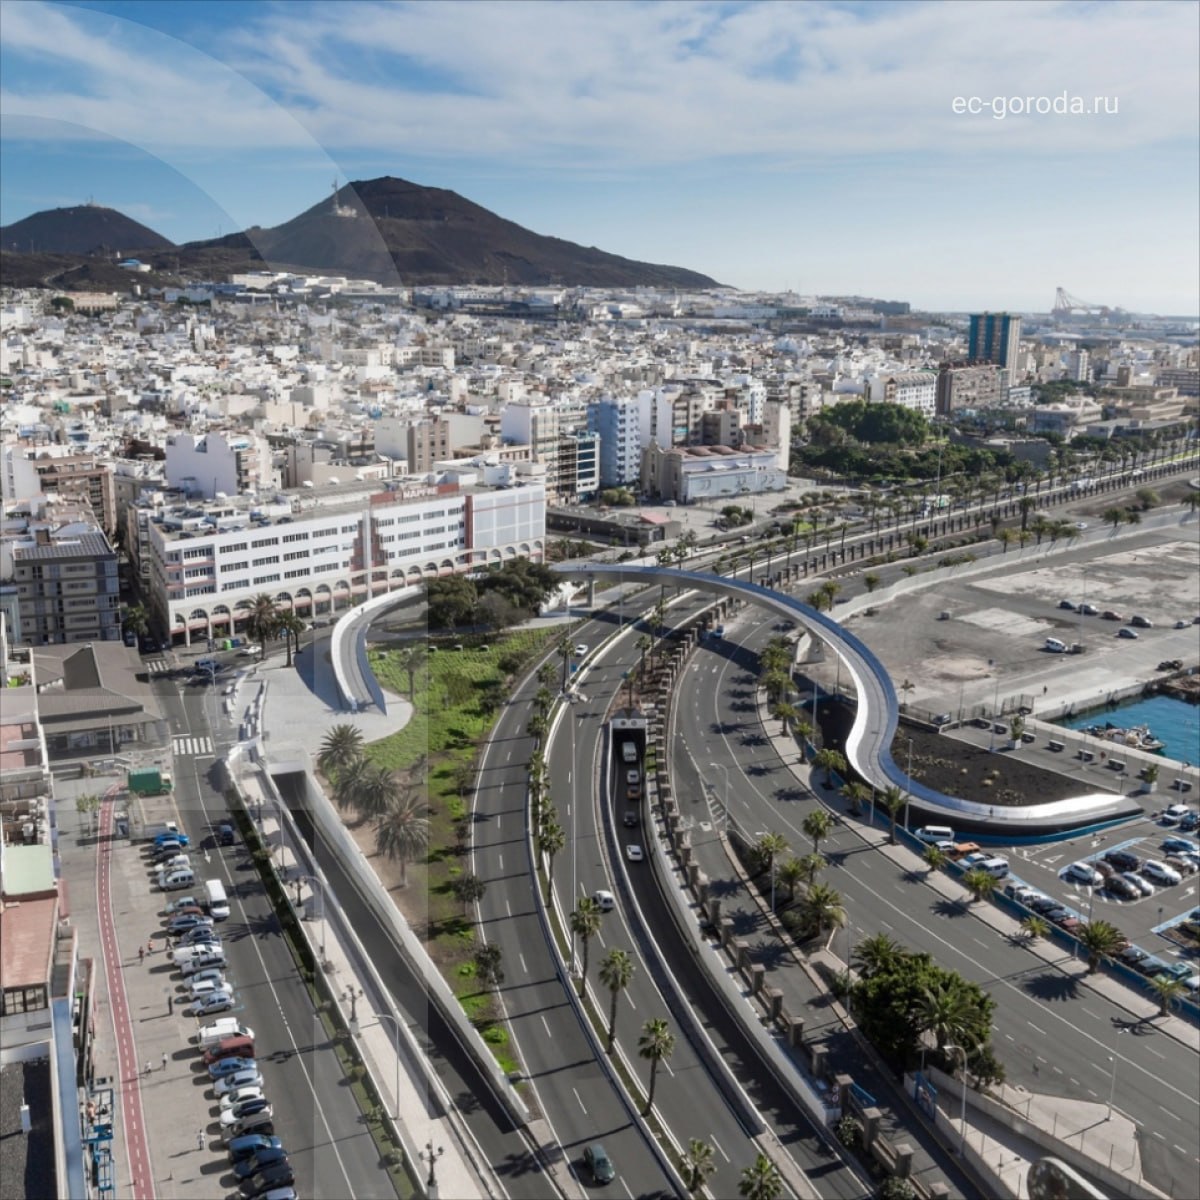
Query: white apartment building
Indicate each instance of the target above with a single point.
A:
(910, 389)
(317, 551)
(229, 464)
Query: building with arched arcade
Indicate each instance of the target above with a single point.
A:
(318, 551)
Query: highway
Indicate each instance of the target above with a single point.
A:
(315, 1113)
(1052, 1035)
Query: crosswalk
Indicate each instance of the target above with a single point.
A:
(157, 666)
(193, 747)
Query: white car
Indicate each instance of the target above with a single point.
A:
(603, 900)
(246, 1078)
(212, 1004)
(634, 853)
(1143, 885)
(214, 982)
(1084, 873)
(1159, 872)
(249, 651)
(581, 651)
(231, 1116)
(237, 1095)
(208, 975)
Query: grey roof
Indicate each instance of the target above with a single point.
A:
(97, 678)
(90, 545)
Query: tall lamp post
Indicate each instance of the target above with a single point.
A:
(1112, 1086)
(908, 793)
(351, 996)
(396, 1023)
(962, 1116)
(312, 879)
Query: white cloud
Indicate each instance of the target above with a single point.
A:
(619, 85)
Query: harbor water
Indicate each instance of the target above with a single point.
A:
(1174, 722)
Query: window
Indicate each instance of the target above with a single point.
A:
(235, 566)
(266, 579)
(295, 537)
(197, 572)
(201, 591)
(199, 552)
(25, 999)
(265, 561)
(235, 549)
(296, 574)
(271, 541)
(292, 555)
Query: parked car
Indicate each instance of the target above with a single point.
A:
(1043, 905)
(1150, 966)
(208, 975)
(1084, 873)
(255, 1162)
(1123, 860)
(1120, 887)
(199, 935)
(1159, 872)
(207, 987)
(1180, 970)
(1142, 884)
(1069, 923)
(247, 1108)
(1141, 622)
(1182, 864)
(246, 1147)
(1189, 821)
(277, 1175)
(1105, 869)
(232, 1047)
(183, 904)
(236, 1096)
(182, 923)
(1068, 605)
(1131, 956)
(1085, 609)
(235, 1080)
(1179, 843)
(1019, 892)
(1109, 615)
(229, 1065)
(1127, 633)
(218, 1001)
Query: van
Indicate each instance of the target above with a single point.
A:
(215, 899)
(629, 752)
(1055, 646)
(997, 868)
(934, 833)
(172, 881)
(224, 1027)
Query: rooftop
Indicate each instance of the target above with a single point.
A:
(27, 957)
(13, 755)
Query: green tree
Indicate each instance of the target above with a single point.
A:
(656, 1044)
(291, 626)
(260, 625)
(946, 1010)
(829, 761)
(935, 858)
(585, 924)
(551, 840)
(979, 883)
(136, 620)
(1167, 991)
(761, 1180)
(871, 580)
(875, 954)
(1101, 939)
(451, 601)
(698, 1165)
(892, 801)
(616, 973)
(811, 864)
(468, 890)
(769, 847)
(488, 969)
(790, 874)
(351, 776)
(411, 660)
(402, 833)
(856, 794)
(1148, 498)
(817, 826)
(376, 792)
(537, 727)
(88, 805)
(822, 909)
(785, 714)
(1034, 927)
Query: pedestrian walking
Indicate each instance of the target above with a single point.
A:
(147, 1066)
(164, 1060)
(141, 953)
(199, 1139)
(150, 946)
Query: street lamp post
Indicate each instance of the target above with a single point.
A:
(992, 723)
(1112, 1086)
(312, 879)
(396, 1023)
(908, 793)
(430, 1155)
(351, 996)
(962, 1117)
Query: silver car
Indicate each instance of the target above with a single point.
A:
(1143, 885)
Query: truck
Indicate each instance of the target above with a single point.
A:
(150, 781)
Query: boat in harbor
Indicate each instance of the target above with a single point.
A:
(1135, 737)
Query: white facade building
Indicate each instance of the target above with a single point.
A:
(910, 389)
(316, 552)
(226, 463)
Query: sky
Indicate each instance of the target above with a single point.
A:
(806, 146)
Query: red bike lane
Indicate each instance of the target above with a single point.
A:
(129, 1089)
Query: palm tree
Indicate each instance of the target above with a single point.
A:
(829, 760)
(616, 972)
(550, 841)
(342, 744)
(402, 833)
(892, 801)
(376, 792)
(544, 700)
(260, 625)
(350, 778)
(946, 1012)
(810, 864)
(1034, 927)
(547, 673)
(775, 683)
(1005, 537)
(823, 909)
(656, 1045)
(536, 727)
(760, 1181)
(979, 883)
(1101, 939)
(935, 858)
(291, 626)
(817, 825)
(790, 873)
(410, 660)
(1166, 991)
(803, 731)
(585, 924)
(136, 620)
(769, 847)
(785, 713)
(906, 688)
(468, 890)
(857, 794)
(871, 581)
(875, 954)
(698, 1165)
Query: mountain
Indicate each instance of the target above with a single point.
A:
(394, 231)
(84, 229)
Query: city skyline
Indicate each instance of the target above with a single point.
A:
(773, 147)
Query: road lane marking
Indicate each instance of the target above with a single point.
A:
(717, 1146)
(547, 1025)
(523, 966)
(581, 1103)
(1170, 1114)
(1035, 1028)
(1158, 1135)
(508, 908)
(500, 857)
